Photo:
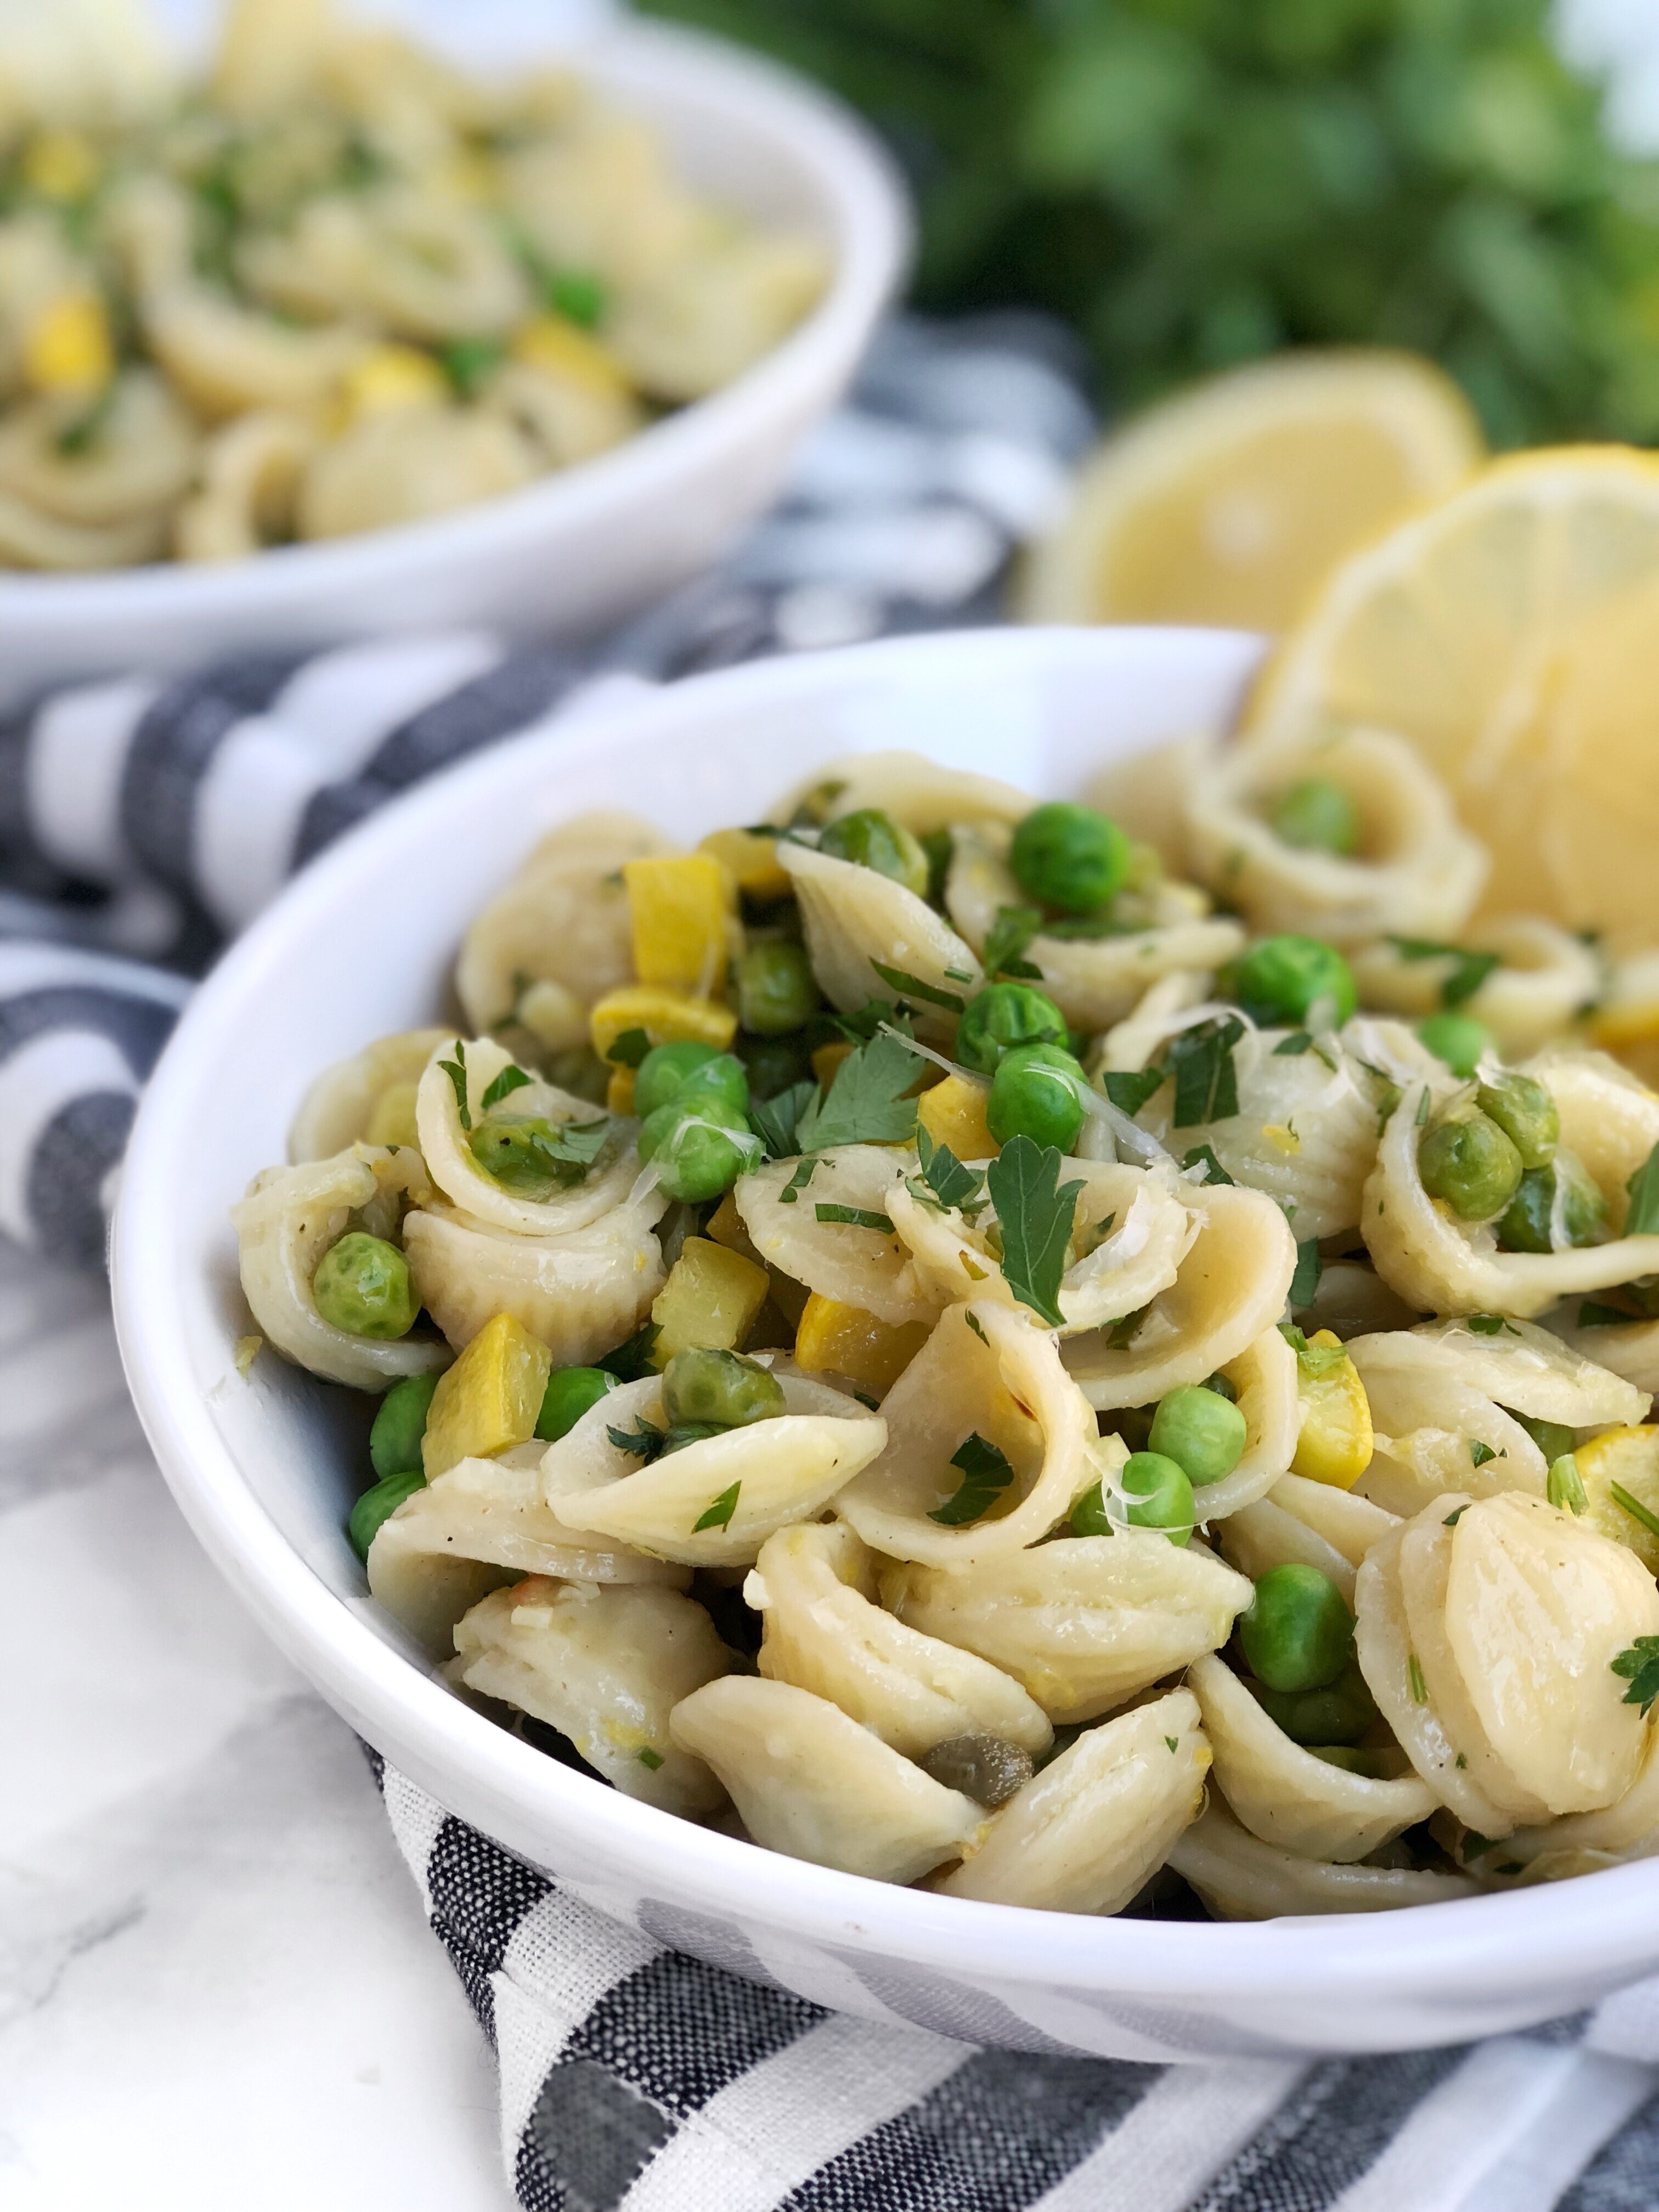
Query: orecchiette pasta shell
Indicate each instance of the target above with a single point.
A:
(1438, 1265)
(339, 1109)
(1147, 1231)
(752, 1480)
(409, 464)
(1580, 1842)
(570, 421)
(564, 919)
(1538, 1607)
(1609, 1118)
(1628, 1349)
(143, 460)
(1286, 1796)
(1083, 1622)
(1131, 1043)
(1264, 1380)
(1352, 1299)
(814, 1587)
(1308, 1525)
(1547, 977)
(1418, 873)
(488, 1512)
(605, 1666)
(808, 1781)
(458, 1175)
(250, 481)
(226, 359)
(696, 324)
(853, 916)
(582, 1294)
(858, 1266)
(1232, 1286)
(1305, 1133)
(1088, 1831)
(921, 793)
(1146, 793)
(30, 539)
(1094, 981)
(1241, 1878)
(987, 1372)
(285, 1224)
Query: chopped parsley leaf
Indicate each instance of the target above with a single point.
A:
(456, 1071)
(1467, 972)
(510, 1079)
(853, 1217)
(866, 1104)
(718, 1513)
(1206, 1087)
(790, 1194)
(1642, 1219)
(1309, 1268)
(1035, 1217)
(1129, 1088)
(1006, 939)
(912, 987)
(986, 1474)
(644, 1442)
(1639, 1667)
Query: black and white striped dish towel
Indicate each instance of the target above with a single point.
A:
(140, 824)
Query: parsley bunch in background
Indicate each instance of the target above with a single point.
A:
(1195, 182)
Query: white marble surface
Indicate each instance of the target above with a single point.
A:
(213, 1962)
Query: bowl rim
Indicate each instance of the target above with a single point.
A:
(860, 190)
(1591, 1924)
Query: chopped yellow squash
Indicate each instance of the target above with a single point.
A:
(489, 1399)
(1335, 1445)
(558, 349)
(837, 1340)
(388, 377)
(69, 347)
(1628, 1457)
(751, 861)
(682, 910)
(619, 1092)
(393, 1121)
(953, 1114)
(709, 1302)
(725, 1226)
(666, 1017)
(827, 1059)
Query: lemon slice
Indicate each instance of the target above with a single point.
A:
(1510, 634)
(1229, 504)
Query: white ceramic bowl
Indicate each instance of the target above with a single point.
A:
(265, 1469)
(582, 548)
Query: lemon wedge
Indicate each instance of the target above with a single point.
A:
(1508, 634)
(1229, 504)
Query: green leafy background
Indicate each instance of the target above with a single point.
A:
(1193, 183)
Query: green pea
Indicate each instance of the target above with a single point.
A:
(690, 1432)
(1089, 1516)
(362, 1286)
(1583, 1211)
(871, 839)
(570, 1393)
(1000, 1018)
(1163, 1495)
(1201, 1432)
(1525, 1112)
(1037, 1092)
(1317, 815)
(986, 1768)
(1553, 1439)
(719, 1386)
(667, 1068)
(1458, 1039)
(1069, 857)
(700, 1149)
(1340, 1713)
(1281, 981)
(940, 848)
(773, 1063)
(510, 1152)
(378, 1504)
(1297, 1632)
(776, 992)
(1470, 1164)
(394, 1442)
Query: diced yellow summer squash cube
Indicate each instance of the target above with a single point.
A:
(558, 349)
(389, 377)
(682, 909)
(953, 1114)
(490, 1398)
(751, 862)
(59, 165)
(837, 1340)
(709, 1302)
(827, 1059)
(666, 1017)
(619, 1092)
(1335, 1445)
(727, 1227)
(393, 1121)
(1628, 1457)
(69, 347)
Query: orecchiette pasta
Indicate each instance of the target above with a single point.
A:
(809, 1781)
(715, 1501)
(1084, 1834)
(442, 1549)
(604, 1664)
(948, 1464)
(1084, 1623)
